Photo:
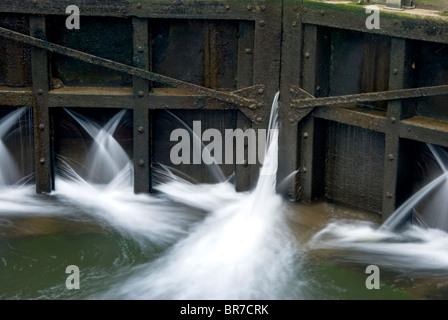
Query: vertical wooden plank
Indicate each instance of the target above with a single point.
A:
(40, 75)
(394, 114)
(244, 79)
(289, 152)
(309, 73)
(267, 52)
(142, 163)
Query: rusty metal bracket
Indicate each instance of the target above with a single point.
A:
(298, 94)
(256, 113)
(238, 98)
(311, 102)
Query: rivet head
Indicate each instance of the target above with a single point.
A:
(305, 135)
(140, 129)
(248, 51)
(140, 49)
(141, 162)
(304, 170)
(389, 195)
(259, 119)
(253, 106)
(393, 120)
(390, 156)
(42, 160)
(260, 91)
(40, 92)
(294, 23)
(395, 71)
(262, 23)
(141, 94)
(307, 55)
(227, 7)
(291, 120)
(41, 126)
(249, 8)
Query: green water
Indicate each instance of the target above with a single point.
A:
(35, 252)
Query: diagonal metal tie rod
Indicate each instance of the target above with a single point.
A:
(148, 75)
(370, 97)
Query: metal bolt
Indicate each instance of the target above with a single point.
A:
(141, 162)
(304, 170)
(294, 23)
(259, 119)
(262, 23)
(291, 120)
(140, 49)
(390, 156)
(248, 51)
(307, 55)
(389, 195)
(42, 161)
(141, 94)
(395, 71)
(260, 91)
(305, 135)
(291, 90)
(252, 106)
(140, 129)
(393, 120)
(249, 8)
(41, 126)
(227, 7)
(40, 92)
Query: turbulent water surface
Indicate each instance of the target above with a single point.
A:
(202, 241)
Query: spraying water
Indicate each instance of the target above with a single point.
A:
(241, 250)
(408, 248)
(403, 212)
(9, 173)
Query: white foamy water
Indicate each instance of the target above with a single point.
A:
(215, 243)
(243, 249)
(413, 249)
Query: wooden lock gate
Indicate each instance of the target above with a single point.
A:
(351, 97)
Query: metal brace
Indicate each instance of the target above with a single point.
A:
(247, 100)
(298, 94)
